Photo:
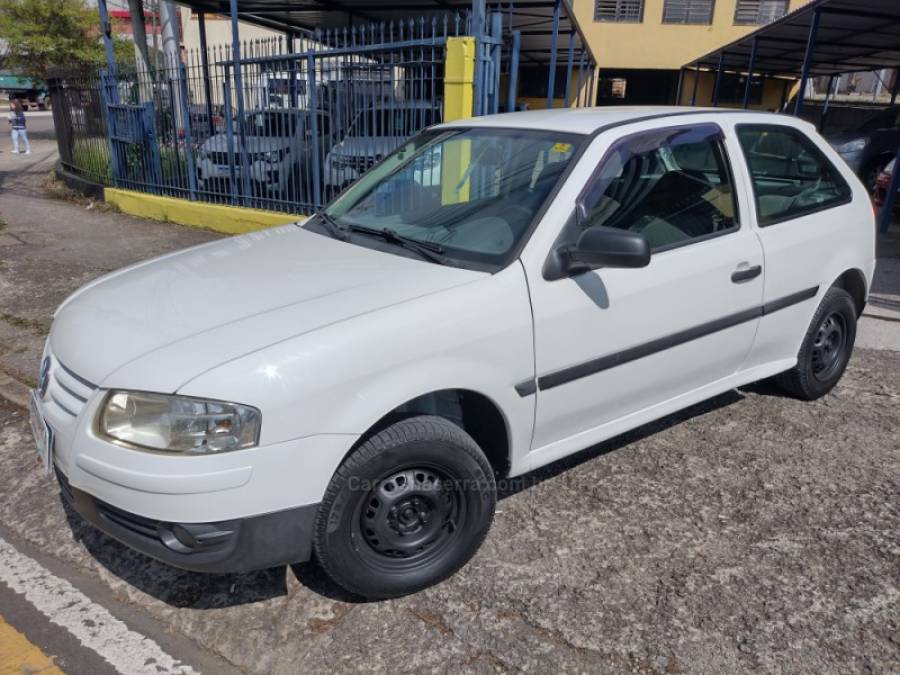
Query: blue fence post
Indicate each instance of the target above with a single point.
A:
(313, 98)
(229, 135)
(149, 133)
(718, 84)
(188, 138)
(554, 38)
(497, 34)
(204, 64)
(570, 60)
(478, 10)
(807, 57)
(696, 84)
(239, 92)
(750, 73)
(106, 32)
(109, 88)
(887, 209)
(292, 72)
(513, 81)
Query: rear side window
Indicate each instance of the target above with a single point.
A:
(672, 185)
(791, 177)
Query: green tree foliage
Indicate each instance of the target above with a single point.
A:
(45, 35)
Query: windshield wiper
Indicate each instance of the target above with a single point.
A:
(336, 229)
(426, 249)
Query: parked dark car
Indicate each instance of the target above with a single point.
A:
(871, 145)
(882, 184)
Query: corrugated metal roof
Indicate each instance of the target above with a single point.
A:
(853, 35)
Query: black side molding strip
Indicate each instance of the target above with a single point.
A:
(526, 388)
(598, 365)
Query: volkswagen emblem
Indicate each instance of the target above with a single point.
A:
(44, 377)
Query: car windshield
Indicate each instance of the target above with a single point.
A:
(474, 192)
(397, 122)
(270, 124)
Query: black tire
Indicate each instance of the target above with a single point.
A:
(825, 350)
(406, 509)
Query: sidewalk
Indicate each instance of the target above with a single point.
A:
(49, 247)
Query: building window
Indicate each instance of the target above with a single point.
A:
(620, 11)
(688, 11)
(759, 12)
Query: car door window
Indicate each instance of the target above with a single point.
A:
(790, 174)
(672, 185)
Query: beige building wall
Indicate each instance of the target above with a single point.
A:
(218, 30)
(657, 45)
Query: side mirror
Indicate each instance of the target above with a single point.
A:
(599, 247)
(611, 247)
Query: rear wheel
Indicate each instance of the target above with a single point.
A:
(406, 509)
(826, 348)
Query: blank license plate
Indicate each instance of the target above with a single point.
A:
(43, 435)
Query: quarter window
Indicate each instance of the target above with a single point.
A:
(621, 11)
(672, 185)
(688, 11)
(759, 12)
(791, 176)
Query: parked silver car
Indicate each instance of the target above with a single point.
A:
(278, 151)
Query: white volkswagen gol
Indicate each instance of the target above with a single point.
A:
(495, 295)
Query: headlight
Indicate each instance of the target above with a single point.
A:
(178, 423)
(852, 146)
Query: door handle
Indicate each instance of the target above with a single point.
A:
(746, 274)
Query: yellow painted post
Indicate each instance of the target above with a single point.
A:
(459, 97)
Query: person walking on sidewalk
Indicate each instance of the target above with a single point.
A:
(17, 126)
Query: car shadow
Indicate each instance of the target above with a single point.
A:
(511, 486)
(175, 587)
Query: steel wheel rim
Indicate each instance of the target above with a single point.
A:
(409, 518)
(828, 346)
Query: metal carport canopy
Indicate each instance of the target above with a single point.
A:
(852, 36)
(533, 18)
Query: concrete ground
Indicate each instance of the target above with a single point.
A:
(750, 532)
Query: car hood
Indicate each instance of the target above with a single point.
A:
(160, 323)
(255, 144)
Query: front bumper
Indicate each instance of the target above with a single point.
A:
(238, 545)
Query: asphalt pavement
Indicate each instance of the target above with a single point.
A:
(750, 532)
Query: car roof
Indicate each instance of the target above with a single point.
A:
(589, 120)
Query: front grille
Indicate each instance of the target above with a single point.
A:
(357, 163)
(68, 391)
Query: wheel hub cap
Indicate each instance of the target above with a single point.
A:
(828, 346)
(408, 513)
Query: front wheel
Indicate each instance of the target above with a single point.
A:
(406, 509)
(826, 348)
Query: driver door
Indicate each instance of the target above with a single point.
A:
(617, 346)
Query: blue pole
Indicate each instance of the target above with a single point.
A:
(718, 84)
(239, 93)
(696, 84)
(204, 63)
(570, 60)
(106, 32)
(750, 73)
(826, 104)
(513, 82)
(554, 37)
(188, 140)
(807, 57)
(497, 33)
(887, 209)
(478, 29)
(292, 71)
(313, 98)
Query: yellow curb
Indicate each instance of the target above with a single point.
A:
(216, 217)
(18, 655)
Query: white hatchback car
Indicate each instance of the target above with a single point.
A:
(356, 385)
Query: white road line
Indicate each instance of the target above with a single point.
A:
(64, 605)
